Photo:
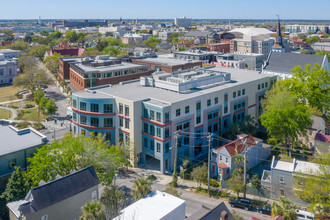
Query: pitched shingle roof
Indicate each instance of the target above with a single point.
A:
(59, 189)
(237, 145)
(206, 213)
(283, 62)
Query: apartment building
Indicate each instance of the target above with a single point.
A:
(295, 29)
(151, 111)
(101, 70)
(183, 22)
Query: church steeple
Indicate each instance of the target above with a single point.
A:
(278, 45)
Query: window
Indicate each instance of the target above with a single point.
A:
(209, 128)
(198, 105)
(158, 132)
(167, 132)
(108, 122)
(158, 147)
(83, 120)
(266, 84)
(152, 144)
(215, 127)
(44, 217)
(177, 112)
(145, 114)
(152, 115)
(167, 147)
(107, 136)
(126, 110)
(186, 139)
(220, 157)
(186, 125)
(282, 192)
(145, 127)
(167, 116)
(121, 108)
(262, 85)
(243, 91)
(179, 127)
(227, 159)
(145, 142)
(127, 124)
(166, 164)
(186, 109)
(239, 93)
(83, 106)
(94, 107)
(209, 116)
(95, 122)
(234, 94)
(152, 130)
(198, 119)
(281, 179)
(121, 122)
(258, 86)
(107, 108)
(198, 134)
(94, 196)
(74, 103)
(216, 100)
(158, 116)
(74, 116)
(12, 163)
(209, 102)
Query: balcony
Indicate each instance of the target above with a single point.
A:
(266, 178)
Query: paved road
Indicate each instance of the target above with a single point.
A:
(193, 201)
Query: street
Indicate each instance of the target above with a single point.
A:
(194, 201)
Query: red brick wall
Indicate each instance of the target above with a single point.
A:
(224, 48)
(64, 70)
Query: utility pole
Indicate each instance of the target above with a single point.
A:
(175, 174)
(245, 149)
(208, 164)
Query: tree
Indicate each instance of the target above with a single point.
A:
(38, 51)
(284, 208)
(32, 80)
(311, 85)
(283, 116)
(256, 181)
(141, 188)
(236, 215)
(152, 42)
(314, 186)
(239, 161)
(81, 37)
(50, 107)
(28, 37)
(112, 51)
(113, 199)
(71, 36)
(38, 97)
(16, 186)
(27, 62)
(91, 52)
(52, 62)
(200, 174)
(92, 211)
(44, 33)
(19, 45)
(236, 184)
(247, 126)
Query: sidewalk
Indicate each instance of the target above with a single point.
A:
(16, 100)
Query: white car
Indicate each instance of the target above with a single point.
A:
(304, 215)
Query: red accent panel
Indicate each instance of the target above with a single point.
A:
(92, 113)
(199, 126)
(156, 122)
(123, 131)
(155, 137)
(252, 106)
(92, 127)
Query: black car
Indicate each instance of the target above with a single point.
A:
(242, 203)
(264, 209)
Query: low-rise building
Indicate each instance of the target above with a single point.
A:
(219, 47)
(133, 39)
(223, 158)
(280, 64)
(58, 199)
(281, 177)
(8, 54)
(321, 144)
(8, 71)
(202, 37)
(195, 54)
(321, 46)
(17, 145)
(318, 126)
(151, 111)
(220, 212)
(156, 205)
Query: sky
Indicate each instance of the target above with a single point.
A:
(165, 9)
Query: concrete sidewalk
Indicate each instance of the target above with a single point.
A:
(16, 100)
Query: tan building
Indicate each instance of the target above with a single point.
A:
(59, 199)
(133, 39)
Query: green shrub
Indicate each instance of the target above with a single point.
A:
(214, 183)
(19, 96)
(29, 106)
(13, 107)
(152, 177)
(22, 125)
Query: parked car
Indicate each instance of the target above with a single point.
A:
(242, 203)
(304, 215)
(266, 209)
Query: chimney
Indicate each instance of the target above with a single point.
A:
(224, 215)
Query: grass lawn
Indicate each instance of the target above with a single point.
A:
(5, 113)
(17, 104)
(7, 93)
(32, 115)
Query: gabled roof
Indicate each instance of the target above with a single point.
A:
(222, 165)
(206, 213)
(322, 137)
(237, 145)
(284, 62)
(77, 52)
(53, 192)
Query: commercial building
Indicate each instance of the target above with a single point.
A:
(167, 64)
(58, 199)
(223, 157)
(280, 64)
(156, 205)
(101, 70)
(296, 29)
(195, 54)
(79, 24)
(154, 109)
(282, 176)
(183, 22)
(17, 145)
(202, 37)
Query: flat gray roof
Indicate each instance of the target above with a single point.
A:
(13, 140)
(170, 61)
(115, 67)
(136, 92)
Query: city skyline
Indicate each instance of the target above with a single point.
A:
(256, 9)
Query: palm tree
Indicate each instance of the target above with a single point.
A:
(92, 211)
(285, 208)
(141, 188)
